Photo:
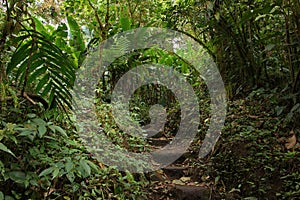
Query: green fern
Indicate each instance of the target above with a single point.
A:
(115, 48)
(40, 66)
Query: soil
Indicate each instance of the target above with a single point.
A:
(178, 181)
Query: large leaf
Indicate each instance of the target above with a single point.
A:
(19, 56)
(76, 34)
(125, 23)
(44, 66)
(40, 27)
(39, 71)
(47, 171)
(17, 176)
(5, 149)
(77, 39)
(55, 128)
(84, 165)
(42, 82)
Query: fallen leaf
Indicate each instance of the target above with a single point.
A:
(281, 140)
(178, 182)
(101, 165)
(253, 116)
(185, 179)
(49, 192)
(291, 141)
(193, 183)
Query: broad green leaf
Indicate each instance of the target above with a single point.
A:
(269, 47)
(49, 27)
(40, 27)
(55, 173)
(10, 127)
(92, 165)
(42, 130)
(60, 43)
(39, 121)
(47, 171)
(62, 31)
(7, 197)
(17, 176)
(55, 128)
(76, 33)
(5, 149)
(295, 107)
(85, 166)
(28, 133)
(75, 59)
(279, 109)
(71, 177)
(69, 166)
(31, 115)
(74, 28)
(125, 23)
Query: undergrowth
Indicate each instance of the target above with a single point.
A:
(257, 156)
(42, 157)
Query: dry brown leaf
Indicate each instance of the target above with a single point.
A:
(253, 116)
(291, 141)
(192, 184)
(281, 140)
(49, 192)
(101, 165)
(185, 179)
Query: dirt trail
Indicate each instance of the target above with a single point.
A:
(179, 180)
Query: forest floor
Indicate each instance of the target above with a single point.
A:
(256, 157)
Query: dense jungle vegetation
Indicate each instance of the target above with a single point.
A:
(256, 47)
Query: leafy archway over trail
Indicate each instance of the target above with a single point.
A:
(255, 45)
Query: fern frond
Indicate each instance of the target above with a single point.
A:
(43, 68)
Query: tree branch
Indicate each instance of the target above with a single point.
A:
(98, 20)
(107, 16)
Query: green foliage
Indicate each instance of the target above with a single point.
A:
(77, 41)
(253, 43)
(252, 159)
(5, 149)
(39, 65)
(41, 157)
